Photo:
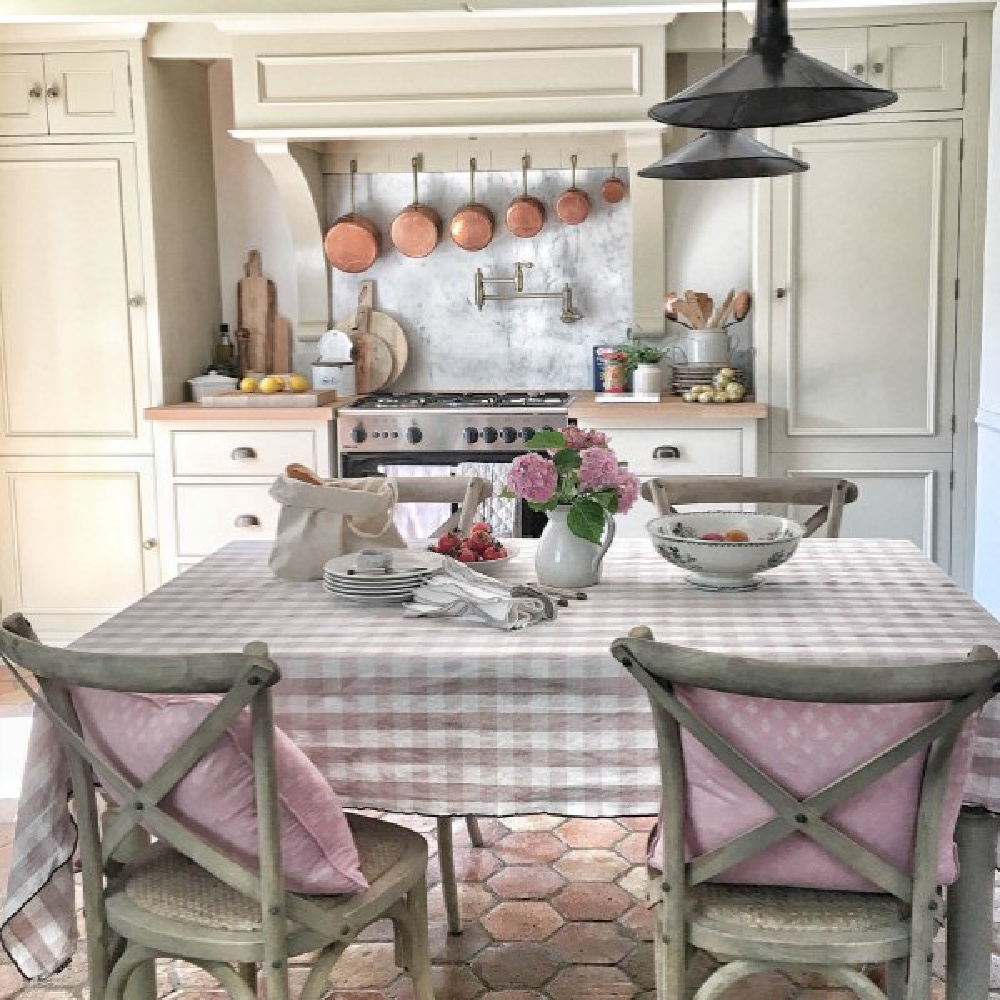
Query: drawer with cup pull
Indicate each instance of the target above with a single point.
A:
(680, 451)
(250, 452)
(211, 514)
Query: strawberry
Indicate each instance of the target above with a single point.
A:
(449, 544)
(482, 526)
(467, 556)
(495, 552)
(479, 541)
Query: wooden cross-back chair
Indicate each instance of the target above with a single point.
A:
(254, 923)
(758, 928)
(826, 494)
(468, 492)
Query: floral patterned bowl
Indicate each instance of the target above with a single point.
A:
(719, 564)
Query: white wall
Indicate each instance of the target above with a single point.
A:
(986, 580)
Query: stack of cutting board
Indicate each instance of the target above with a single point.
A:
(380, 346)
(264, 337)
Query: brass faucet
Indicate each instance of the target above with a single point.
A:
(569, 313)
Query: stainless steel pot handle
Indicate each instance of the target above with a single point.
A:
(237, 453)
(246, 521)
(666, 451)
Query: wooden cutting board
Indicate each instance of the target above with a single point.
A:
(373, 359)
(382, 326)
(257, 305)
(234, 398)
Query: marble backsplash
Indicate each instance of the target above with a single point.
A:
(509, 344)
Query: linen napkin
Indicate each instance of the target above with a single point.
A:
(455, 591)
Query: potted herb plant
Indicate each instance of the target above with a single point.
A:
(642, 362)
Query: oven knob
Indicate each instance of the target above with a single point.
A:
(509, 435)
(358, 434)
(547, 428)
(490, 434)
(528, 433)
(414, 435)
(471, 435)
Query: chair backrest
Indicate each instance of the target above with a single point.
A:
(662, 668)
(827, 494)
(468, 492)
(242, 681)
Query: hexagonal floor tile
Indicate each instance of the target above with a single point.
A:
(604, 981)
(591, 866)
(590, 832)
(364, 966)
(515, 964)
(590, 942)
(526, 882)
(530, 847)
(592, 901)
(522, 921)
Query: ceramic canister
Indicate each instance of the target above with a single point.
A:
(337, 375)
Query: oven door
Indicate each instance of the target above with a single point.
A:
(527, 523)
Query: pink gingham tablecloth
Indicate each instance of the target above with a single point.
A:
(445, 718)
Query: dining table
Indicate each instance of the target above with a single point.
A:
(446, 717)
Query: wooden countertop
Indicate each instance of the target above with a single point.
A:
(583, 406)
(195, 411)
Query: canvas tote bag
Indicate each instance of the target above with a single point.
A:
(341, 516)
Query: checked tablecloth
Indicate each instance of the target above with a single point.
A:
(445, 718)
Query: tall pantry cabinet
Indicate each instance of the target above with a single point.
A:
(109, 292)
(869, 288)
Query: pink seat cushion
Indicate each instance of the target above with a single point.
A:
(804, 747)
(216, 799)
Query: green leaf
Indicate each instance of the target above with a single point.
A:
(567, 460)
(586, 520)
(548, 505)
(508, 494)
(547, 440)
(608, 499)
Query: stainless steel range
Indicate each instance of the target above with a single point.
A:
(472, 433)
(457, 422)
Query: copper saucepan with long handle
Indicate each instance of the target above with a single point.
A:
(416, 231)
(352, 244)
(613, 189)
(473, 224)
(525, 214)
(573, 205)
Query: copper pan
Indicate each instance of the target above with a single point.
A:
(352, 244)
(416, 231)
(525, 214)
(573, 205)
(613, 189)
(473, 224)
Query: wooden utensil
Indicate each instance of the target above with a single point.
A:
(727, 304)
(372, 361)
(741, 306)
(705, 305)
(693, 310)
(386, 329)
(257, 308)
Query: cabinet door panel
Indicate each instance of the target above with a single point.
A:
(73, 359)
(844, 48)
(91, 92)
(923, 63)
(211, 514)
(76, 529)
(866, 244)
(899, 496)
(20, 112)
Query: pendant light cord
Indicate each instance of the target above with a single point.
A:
(724, 18)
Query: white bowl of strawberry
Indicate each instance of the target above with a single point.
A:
(480, 548)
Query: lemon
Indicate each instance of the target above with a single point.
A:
(271, 384)
(298, 383)
(248, 385)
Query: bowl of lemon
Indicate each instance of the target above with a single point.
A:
(270, 384)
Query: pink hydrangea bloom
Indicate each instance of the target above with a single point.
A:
(578, 439)
(628, 490)
(598, 468)
(533, 477)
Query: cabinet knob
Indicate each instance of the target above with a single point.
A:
(666, 451)
(240, 453)
(35, 92)
(150, 543)
(878, 67)
(52, 92)
(246, 521)
(136, 300)
(858, 69)
(780, 293)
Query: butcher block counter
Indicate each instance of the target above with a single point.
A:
(585, 409)
(195, 411)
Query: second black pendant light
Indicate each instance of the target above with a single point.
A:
(773, 83)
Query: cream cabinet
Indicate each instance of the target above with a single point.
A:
(65, 93)
(79, 539)
(923, 63)
(213, 475)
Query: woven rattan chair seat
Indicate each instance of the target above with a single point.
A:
(172, 886)
(777, 908)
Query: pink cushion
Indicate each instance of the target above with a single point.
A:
(215, 799)
(805, 747)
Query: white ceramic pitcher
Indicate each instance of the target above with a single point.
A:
(563, 559)
(711, 346)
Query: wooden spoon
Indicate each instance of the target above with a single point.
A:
(727, 304)
(302, 474)
(742, 306)
(706, 305)
(694, 312)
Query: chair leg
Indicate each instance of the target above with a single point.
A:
(446, 858)
(247, 971)
(475, 834)
(895, 978)
(419, 945)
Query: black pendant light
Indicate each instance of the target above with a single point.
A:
(772, 84)
(722, 154)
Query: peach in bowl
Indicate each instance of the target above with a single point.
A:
(725, 550)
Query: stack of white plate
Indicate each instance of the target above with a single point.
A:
(409, 570)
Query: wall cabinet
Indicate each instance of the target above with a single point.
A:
(923, 63)
(65, 93)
